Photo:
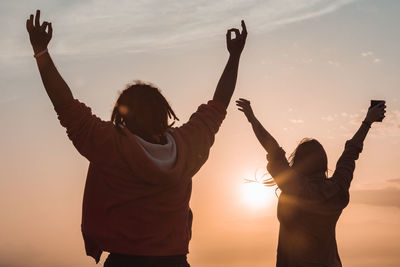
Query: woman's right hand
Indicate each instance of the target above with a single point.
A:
(245, 107)
(376, 113)
(38, 35)
(235, 46)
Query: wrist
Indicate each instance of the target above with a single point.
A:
(39, 49)
(40, 53)
(367, 122)
(234, 56)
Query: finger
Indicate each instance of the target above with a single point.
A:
(37, 19)
(240, 105)
(381, 104)
(244, 29)
(244, 99)
(50, 32)
(243, 105)
(29, 23)
(237, 32)
(228, 37)
(44, 25)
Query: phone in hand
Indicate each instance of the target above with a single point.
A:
(376, 102)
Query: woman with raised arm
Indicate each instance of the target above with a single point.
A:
(310, 203)
(139, 182)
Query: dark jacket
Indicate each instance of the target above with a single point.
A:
(308, 209)
(130, 205)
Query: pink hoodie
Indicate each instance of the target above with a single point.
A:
(131, 205)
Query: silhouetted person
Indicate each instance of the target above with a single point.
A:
(310, 204)
(139, 182)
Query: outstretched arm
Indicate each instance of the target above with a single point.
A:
(264, 137)
(227, 82)
(346, 164)
(375, 113)
(278, 165)
(40, 36)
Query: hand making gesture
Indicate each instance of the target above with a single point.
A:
(40, 35)
(235, 46)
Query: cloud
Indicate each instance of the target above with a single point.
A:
(328, 118)
(367, 54)
(296, 121)
(370, 54)
(383, 197)
(334, 63)
(388, 128)
(91, 27)
(396, 181)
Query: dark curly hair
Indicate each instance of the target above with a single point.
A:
(143, 110)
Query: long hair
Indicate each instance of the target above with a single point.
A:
(143, 110)
(307, 159)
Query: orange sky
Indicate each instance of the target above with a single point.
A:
(309, 69)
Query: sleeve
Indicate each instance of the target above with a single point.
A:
(284, 176)
(92, 137)
(345, 166)
(199, 132)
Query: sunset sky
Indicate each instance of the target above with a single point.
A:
(310, 68)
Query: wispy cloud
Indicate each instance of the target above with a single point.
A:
(382, 197)
(390, 127)
(101, 26)
(296, 121)
(334, 63)
(370, 54)
(367, 54)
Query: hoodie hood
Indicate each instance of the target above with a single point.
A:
(152, 163)
(164, 156)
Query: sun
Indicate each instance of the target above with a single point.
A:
(257, 196)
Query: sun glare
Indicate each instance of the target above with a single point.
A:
(256, 195)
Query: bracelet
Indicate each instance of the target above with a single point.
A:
(40, 53)
(367, 123)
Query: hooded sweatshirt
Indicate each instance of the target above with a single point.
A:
(136, 198)
(309, 208)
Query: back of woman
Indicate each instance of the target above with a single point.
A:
(310, 204)
(307, 232)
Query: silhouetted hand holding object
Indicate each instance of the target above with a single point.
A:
(39, 35)
(245, 107)
(235, 46)
(376, 113)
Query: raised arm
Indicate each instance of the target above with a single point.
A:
(227, 82)
(278, 166)
(40, 36)
(346, 164)
(264, 137)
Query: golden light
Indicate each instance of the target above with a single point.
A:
(256, 195)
